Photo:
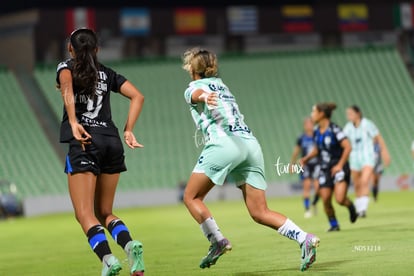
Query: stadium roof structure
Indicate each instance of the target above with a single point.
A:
(18, 5)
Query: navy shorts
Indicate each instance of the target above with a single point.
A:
(104, 155)
(326, 180)
(310, 171)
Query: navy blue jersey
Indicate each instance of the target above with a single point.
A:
(93, 113)
(329, 145)
(306, 145)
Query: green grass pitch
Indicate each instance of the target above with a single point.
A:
(381, 244)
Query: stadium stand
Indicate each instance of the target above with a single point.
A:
(274, 91)
(26, 157)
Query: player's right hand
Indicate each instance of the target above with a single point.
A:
(81, 135)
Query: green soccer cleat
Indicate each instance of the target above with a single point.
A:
(215, 251)
(309, 251)
(135, 258)
(110, 266)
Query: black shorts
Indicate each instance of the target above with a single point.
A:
(326, 180)
(104, 155)
(310, 171)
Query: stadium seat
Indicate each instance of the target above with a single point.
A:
(26, 157)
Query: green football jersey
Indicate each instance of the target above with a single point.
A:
(222, 120)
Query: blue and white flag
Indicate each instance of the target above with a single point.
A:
(242, 19)
(135, 21)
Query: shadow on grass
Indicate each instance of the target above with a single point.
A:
(319, 267)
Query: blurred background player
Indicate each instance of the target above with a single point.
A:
(412, 150)
(363, 133)
(231, 151)
(309, 176)
(332, 149)
(378, 171)
(96, 156)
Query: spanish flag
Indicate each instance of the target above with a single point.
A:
(353, 17)
(297, 18)
(189, 20)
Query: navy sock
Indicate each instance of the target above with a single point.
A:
(333, 222)
(306, 202)
(98, 242)
(119, 232)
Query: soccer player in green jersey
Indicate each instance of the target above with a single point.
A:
(230, 152)
(363, 134)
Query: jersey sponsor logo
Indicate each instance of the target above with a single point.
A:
(217, 87)
(228, 98)
(238, 128)
(215, 168)
(92, 123)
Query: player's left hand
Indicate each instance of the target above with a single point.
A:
(386, 159)
(335, 169)
(131, 141)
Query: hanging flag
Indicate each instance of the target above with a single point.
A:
(135, 21)
(242, 19)
(353, 17)
(404, 15)
(190, 21)
(297, 18)
(79, 18)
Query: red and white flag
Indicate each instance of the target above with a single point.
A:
(79, 18)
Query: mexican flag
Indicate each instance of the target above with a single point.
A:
(404, 16)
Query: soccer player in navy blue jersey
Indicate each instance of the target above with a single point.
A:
(96, 156)
(304, 145)
(332, 149)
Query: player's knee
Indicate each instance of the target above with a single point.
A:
(187, 199)
(341, 200)
(102, 215)
(83, 217)
(258, 215)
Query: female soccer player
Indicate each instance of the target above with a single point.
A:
(231, 151)
(96, 156)
(332, 149)
(363, 133)
(309, 176)
(378, 171)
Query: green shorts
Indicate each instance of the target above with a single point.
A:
(359, 159)
(233, 159)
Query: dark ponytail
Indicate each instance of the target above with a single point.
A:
(85, 72)
(326, 108)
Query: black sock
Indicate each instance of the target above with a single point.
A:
(98, 242)
(119, 232)
(375, 191)
(315, 199)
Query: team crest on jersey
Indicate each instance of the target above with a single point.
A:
(328, 140)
